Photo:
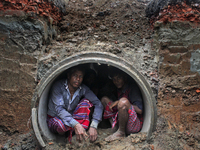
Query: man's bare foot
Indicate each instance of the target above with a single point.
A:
(115, 136)
(114, 129)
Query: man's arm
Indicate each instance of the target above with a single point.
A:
(97, 115)
(98, 107)
(136, 99)
(137, 109)
(60, 108)
(113, 104)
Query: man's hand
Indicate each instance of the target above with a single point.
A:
(93, 134)
(80, 133)
(137, 109)
(113, 104)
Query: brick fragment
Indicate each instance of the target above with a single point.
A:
(42, 8)
(180, 12)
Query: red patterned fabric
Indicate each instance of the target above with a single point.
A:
(134, 124)
(108, 113)
(80, 114)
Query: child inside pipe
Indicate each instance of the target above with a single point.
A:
(125, 112)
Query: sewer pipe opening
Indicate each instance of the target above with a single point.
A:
(40, 98)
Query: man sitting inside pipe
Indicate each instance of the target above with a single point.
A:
(125, 113)
(68, 108)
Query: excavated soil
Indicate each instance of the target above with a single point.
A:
(166, 137)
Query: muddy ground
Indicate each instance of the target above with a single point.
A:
(114, 22)
(166, 137)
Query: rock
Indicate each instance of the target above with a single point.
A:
(101, 14)
(103, 28)
(72, 40)
(25, 139)
(173, 91)
(191, 141)
(198, 146)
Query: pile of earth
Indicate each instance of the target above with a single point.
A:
(165, 137)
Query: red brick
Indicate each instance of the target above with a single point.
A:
(186, 56)
(178, 49)
(191, 47)
(196, 46)
(163, 52)
(169, 69)
(172, 58)
(175, 69)
(185, 68)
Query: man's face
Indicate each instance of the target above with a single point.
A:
(118, 81)
(76, 79)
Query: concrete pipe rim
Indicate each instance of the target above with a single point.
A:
(41, 91)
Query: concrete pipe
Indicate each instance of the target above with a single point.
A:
(40, 97)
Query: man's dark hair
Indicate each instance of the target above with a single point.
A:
(74, 69)
(116, 72)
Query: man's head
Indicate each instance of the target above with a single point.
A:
(75, 76)
(119, 78)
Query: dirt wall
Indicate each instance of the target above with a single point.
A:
(179, 98)
(20, 47)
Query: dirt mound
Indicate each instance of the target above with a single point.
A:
(118, 19)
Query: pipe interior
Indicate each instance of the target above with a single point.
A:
(43, 103)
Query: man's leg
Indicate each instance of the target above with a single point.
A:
(82, 112)
(105, 100)
(56, 125)
(123, 116)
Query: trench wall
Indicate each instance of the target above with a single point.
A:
(25, 26)
(18, 42)
(178, 42)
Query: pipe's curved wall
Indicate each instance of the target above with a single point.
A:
(41, 93)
